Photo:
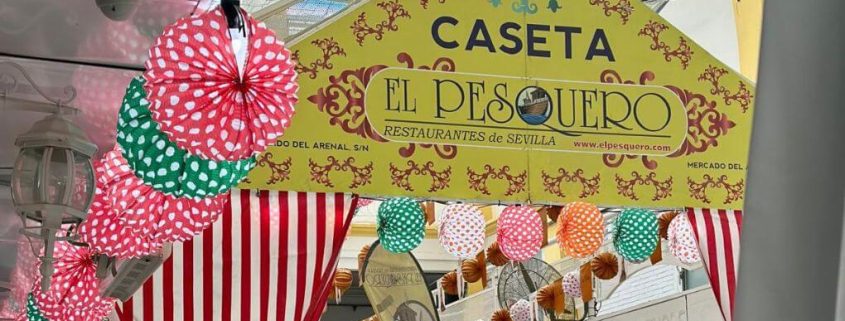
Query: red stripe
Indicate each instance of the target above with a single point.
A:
(148, 300)
(188, 279)
(167, 289)
(712, 254)
(126, 313)
(302, 252)
(321, 245)
(729, 257)
(283, 256)
(226, 282)
(207, 274)
(341, 226)
(738, 216)
(264, 207)
(246, 262)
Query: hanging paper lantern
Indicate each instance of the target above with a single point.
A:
(682, 242)
(663, 224)
(521, 311)
(495, 255)
(572, 284)
(473, 270)
(401, 225)
(341, 283)
(462, 230)
(163, 165)
(449, 283)
(580, 229)
(362, 256)
(636, 234)
(605, 266)
(501, 315)
(519, 232)
(194, 83)
(74, 288)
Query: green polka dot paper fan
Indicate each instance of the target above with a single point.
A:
(32, 312)
(401, 225)
(636, 234)
(163, 165)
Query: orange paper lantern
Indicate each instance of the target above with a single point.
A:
(580, 229)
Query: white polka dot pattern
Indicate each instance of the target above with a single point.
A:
(519, 232)
(580, 229)
(462, 230)
(521, 311)
(401, 224)
(636, 234)
(74, 289)
(194, 84)
(572, 285)
(682, 242)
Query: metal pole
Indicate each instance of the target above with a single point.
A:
(792, 230)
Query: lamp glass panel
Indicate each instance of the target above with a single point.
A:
(58, 183)
(83, 185)
(26, 178)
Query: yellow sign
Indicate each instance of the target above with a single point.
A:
(417, 106)
(542, 101)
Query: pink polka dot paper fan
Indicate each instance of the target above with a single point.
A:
(572, 285)
(74, 289)
(682, 243)
(106, 233)
(519, 233)
(462, 230)
(198, 96)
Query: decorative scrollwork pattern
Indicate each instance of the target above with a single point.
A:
(698, 190)
(424, 3)
(743, 96)
(329, 47)
(361, 175)
(622, 7)
(683, 53)
(400, 177)
(478, 181)
(589, 186)
(662, 189)
(279, 171)
(361, 28)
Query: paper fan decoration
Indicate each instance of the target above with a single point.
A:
(682, 242)
(636, 234)
(605, 266)
(74, 287)
(401, 224)
(462, 230)
(194, 82)
(519, 232)
(501, 315)
(521, 311)
(580, 229)
(572, 284)
(495, 255)
(163, 165)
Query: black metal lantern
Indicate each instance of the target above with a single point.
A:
(52, 183)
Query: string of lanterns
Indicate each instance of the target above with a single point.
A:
(188, 131)
(635, 236)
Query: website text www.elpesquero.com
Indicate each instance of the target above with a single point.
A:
(628, 147)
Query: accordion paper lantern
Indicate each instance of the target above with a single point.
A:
(521, 311)
(401, 224)
(519, 232)
(580, 229)
(462, 230)
(682, 242)
(636, 234)
(572, 284)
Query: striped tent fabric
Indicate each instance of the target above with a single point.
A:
(269, 257)
(718, 233)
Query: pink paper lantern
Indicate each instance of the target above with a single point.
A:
(521, 311)
(462, 230)
(201, 100)
(572, 285)
(519, 233)
(682, 244)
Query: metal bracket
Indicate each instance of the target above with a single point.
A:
(9, 83)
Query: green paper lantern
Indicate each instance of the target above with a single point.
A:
(160, 163)
(636, 234)
(401, 225)
(32, 312)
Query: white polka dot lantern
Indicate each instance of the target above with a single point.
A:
(462, 230)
